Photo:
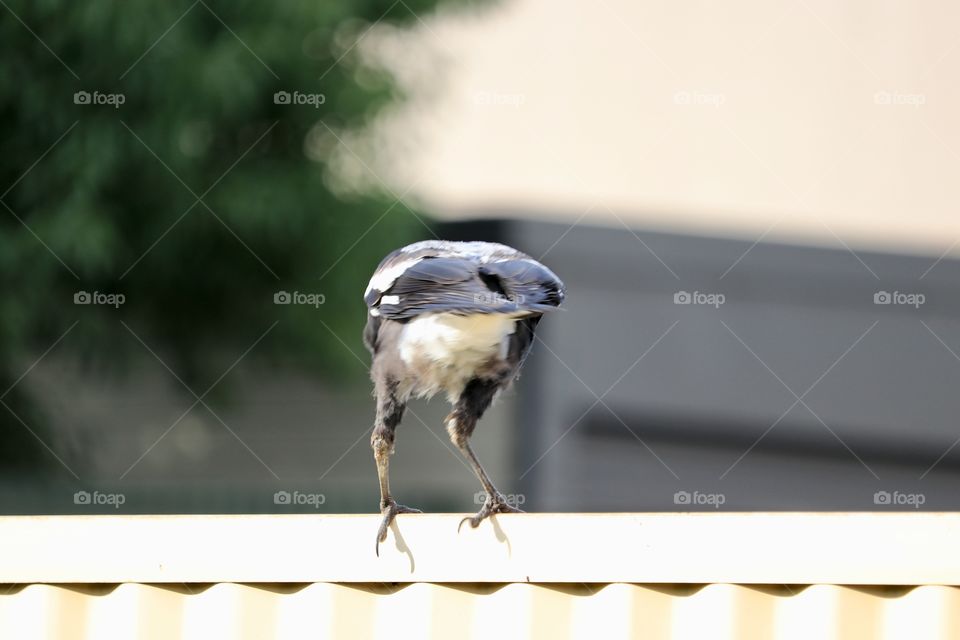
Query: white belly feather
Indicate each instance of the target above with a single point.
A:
(446, 350)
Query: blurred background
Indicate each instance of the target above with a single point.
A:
(753, 205)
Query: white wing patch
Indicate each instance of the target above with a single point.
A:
(383, 280)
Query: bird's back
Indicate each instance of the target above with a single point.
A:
(462, 278)
(444, 313)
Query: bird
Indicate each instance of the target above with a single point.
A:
(457, 318)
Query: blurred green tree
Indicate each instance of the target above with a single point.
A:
(147, 152)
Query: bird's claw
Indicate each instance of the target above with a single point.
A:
(390, 509)
(492, 505)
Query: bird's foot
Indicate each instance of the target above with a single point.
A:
(390, 509)
(493, 504)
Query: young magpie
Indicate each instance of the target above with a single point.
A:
(456, 317)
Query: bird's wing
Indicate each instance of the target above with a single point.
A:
(532, 285)
(371, 332)
(464, 286)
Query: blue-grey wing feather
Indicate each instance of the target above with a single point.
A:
(462, 286)
(462, 278)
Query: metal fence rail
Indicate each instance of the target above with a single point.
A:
(724, 575)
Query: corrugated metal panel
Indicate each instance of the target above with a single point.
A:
(423, 610)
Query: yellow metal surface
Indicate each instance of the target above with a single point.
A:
(422, 610)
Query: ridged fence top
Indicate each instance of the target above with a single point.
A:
(694, 548)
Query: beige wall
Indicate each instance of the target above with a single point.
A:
(810, 121)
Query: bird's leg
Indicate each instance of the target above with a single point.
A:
(389, 412)
(495, 502)
(473, 402)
